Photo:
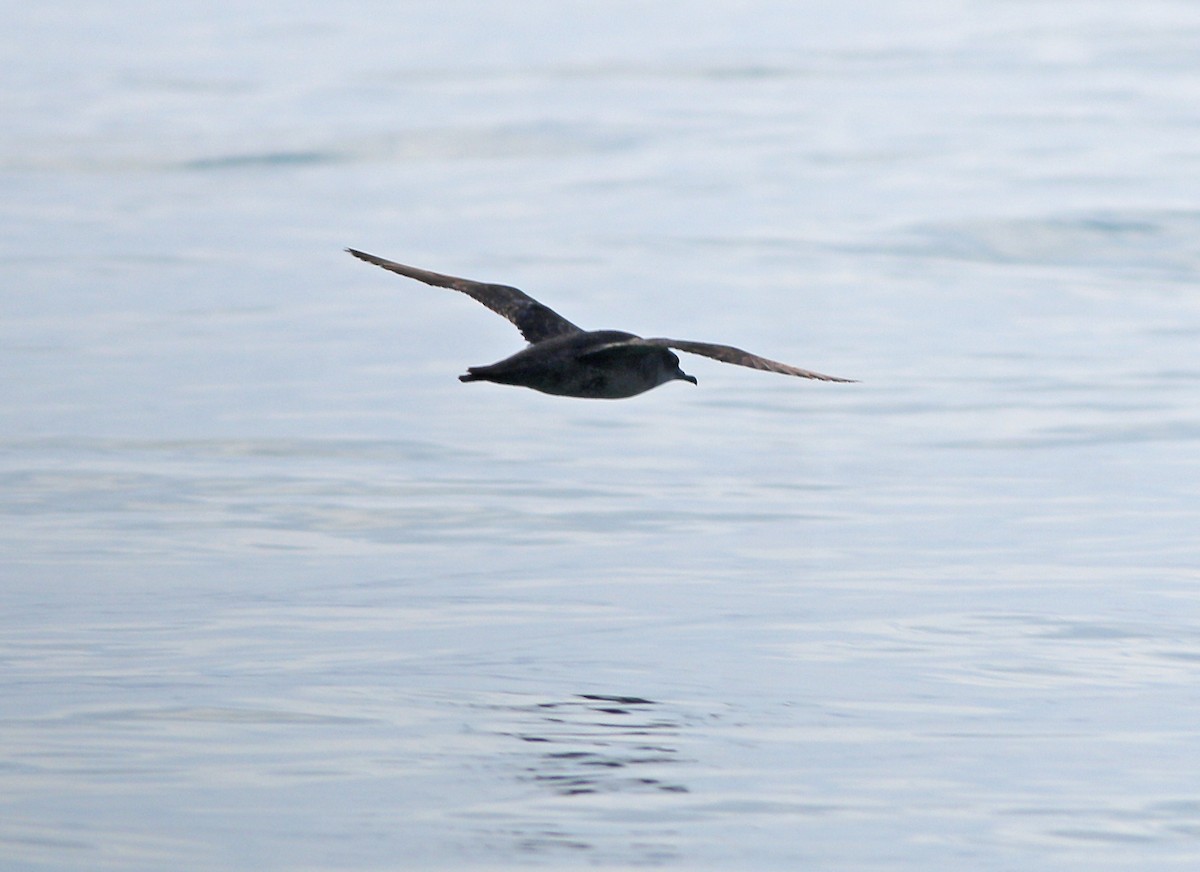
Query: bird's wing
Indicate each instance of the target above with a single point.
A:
(729, 354)
(535, 321)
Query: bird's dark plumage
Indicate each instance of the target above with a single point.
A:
(567, 360)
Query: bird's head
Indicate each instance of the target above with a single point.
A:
(679, 373)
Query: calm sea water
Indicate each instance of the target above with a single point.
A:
(277, 592)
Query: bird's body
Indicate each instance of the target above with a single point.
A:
(565, 360)
(600, 364)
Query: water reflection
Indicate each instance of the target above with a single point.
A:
(602, 744)
(603, 777)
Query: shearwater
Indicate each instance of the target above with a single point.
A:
(567, 360)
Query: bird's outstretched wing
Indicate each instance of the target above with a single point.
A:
(729, 354)
(535, 321)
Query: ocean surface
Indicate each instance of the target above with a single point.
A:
(278, 593)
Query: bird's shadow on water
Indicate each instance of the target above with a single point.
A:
(580, 755)
(602, 744)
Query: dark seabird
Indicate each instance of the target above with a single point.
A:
(569, 361)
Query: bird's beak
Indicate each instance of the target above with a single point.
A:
(683, 375)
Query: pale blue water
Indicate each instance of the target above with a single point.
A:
(277, 592)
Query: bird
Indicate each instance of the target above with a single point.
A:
(565, 360)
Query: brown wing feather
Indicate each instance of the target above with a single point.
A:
(729, 354)
(535, 320)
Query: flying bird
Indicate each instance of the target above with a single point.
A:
(568, 361)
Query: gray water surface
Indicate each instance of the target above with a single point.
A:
(277, 592)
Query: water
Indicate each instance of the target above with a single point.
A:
(279, 593)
